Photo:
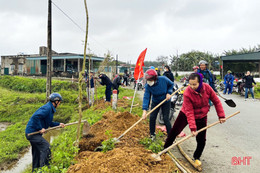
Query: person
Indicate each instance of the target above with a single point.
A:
(126, 76)
(91, 90)
(106, 81)
(168, 73)
(195, 69)
(248, 84)
(158, 71)
(228, 81)
(41, 120)
(160, 88)
(194, 112)
(207, 75)
(152, 67)
(117, 82)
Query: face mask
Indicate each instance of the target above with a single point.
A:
(150, 83)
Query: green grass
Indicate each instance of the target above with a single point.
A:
(18, 103)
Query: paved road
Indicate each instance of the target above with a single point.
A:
(238, 137)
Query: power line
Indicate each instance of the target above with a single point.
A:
(76, 24)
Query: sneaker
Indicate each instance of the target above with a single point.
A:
(152, 137)
(197, 162)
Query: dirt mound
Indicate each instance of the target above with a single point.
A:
(128, 156)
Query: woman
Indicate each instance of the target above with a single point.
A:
(168, 73)
(194, 112)
(248, 84)
(159, 88)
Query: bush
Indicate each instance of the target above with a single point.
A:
(34, 85)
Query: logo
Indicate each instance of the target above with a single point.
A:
(241, 160)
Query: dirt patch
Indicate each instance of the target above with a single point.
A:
(128, 156)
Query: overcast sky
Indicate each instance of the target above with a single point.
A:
(126, 27)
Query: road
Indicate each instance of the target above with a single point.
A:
(238, 137)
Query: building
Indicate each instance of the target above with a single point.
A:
(63, 64)
(241, 63)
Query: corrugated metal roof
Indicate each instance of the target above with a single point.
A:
(65, 57)
(242, 57)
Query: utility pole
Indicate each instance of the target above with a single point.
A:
(116, 63)
(49, 53)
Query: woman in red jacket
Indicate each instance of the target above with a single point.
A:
(194, 112)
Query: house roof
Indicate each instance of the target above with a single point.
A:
(65, 56)
(255, 56)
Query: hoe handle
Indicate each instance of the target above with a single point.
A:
(56, 127)
(189, 136)
(149, 113)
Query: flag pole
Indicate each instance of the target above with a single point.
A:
(135, 91)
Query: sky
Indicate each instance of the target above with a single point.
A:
(127, 27)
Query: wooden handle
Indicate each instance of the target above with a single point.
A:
(221, 96)
(189, 136)
(56, 127)
(148, 113)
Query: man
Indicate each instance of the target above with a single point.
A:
(158, 71)
(126, 76)
(91, 90)
(39, 122)
(117, 82)
(248, 84)
(228, 81)
(106, 81)
(159, 88)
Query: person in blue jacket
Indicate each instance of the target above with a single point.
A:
(41, 120)
(160, 88)
(228, 81)
(207, 75)
(106, 81)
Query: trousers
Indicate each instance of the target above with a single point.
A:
(41, 153)
(180, 124)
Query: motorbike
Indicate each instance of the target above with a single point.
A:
(240, 87)
(139, 84)
(174, 99)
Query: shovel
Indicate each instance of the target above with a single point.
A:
(229, 102)
(99, 148)
(85, 132)
(157, 156)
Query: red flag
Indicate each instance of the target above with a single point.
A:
(139, 65)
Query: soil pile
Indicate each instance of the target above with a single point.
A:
(128, 156)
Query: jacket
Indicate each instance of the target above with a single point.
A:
(105, 80)
(116, 82)
(158, 91)
(169, 75)
(42, 118)
(208, 78)
(196, 105)
(249, 80)
(229, 78)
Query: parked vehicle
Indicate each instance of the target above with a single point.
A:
(140, 84)
(174, 99)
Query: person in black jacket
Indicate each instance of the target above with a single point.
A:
(248, 84)
(168, 73)
(117, 82)
(106, 81)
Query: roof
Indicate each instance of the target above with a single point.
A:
(255, 56)
(74, 56)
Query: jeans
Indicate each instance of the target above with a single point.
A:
(229, 87)
(251, 91)
(180, 124)
(41, 153)
(165, 111)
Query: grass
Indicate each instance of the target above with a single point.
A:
(17, 104)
